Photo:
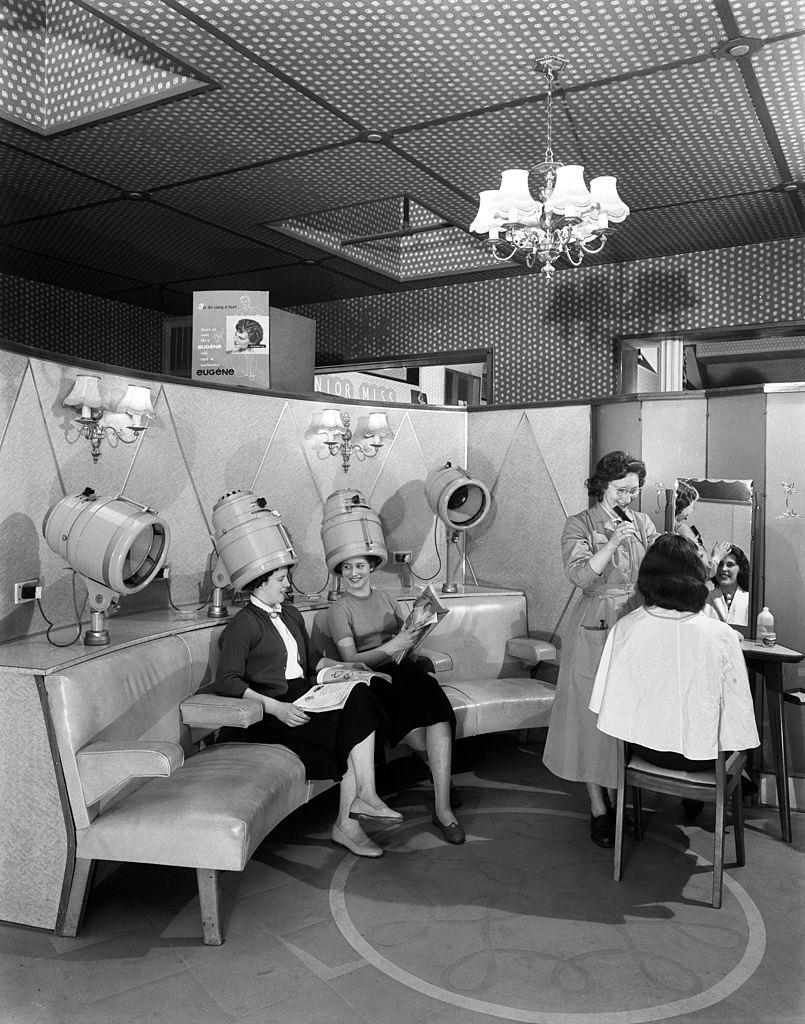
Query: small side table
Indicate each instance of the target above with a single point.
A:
(768, 663)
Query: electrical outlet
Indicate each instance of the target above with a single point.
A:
(165, 572)
(401, 557)
(28, 591)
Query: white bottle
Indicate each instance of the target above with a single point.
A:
(765, 628)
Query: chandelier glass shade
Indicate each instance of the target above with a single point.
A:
(548, 211)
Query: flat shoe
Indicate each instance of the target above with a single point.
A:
(601, 831)
(628, 822)
(450, 833)
(365, 848)
(361, 816)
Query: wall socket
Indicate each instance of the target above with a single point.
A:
(164, 573)
(401, 557)
(28, 591)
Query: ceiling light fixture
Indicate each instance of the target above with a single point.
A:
(565, 219)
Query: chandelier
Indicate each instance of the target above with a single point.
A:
(548, 212)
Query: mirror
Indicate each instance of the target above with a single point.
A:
(459, 379)
(725, 511)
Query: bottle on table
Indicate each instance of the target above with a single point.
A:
(765, 628)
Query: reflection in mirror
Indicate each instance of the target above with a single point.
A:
(718, 516)
(461, 378)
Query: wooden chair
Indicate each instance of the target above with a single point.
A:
(717, 786)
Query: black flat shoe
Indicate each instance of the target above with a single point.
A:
(602, 831)
(628, 822)
(450, 833)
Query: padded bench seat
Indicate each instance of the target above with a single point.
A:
(499, 705)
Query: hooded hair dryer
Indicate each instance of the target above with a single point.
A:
(461, 502)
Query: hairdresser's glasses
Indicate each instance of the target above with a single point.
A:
(628, 492)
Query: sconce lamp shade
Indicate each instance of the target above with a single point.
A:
(457, 499)
(137, 403)
(605, 192)
(331, 420)
(350, 527)
(249, 537)
(112, 541)
(378, 424)
(86, 392)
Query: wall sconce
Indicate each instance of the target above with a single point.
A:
(99, 420)
(336, 434)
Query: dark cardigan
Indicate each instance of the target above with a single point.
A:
(253, 653)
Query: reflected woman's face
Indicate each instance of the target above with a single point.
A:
(727, 572)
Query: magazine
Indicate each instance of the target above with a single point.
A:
(333, 685)
(426, 613)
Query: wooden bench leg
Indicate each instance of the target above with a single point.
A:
(209, 897)
(80, 886)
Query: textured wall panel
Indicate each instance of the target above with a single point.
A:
(736, 432)
(674, 443)
(31, 858)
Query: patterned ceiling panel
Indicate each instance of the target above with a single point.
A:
(65, 67)
(345, 176)
(278, 135)
(719, 224)
(391, 62)
(778, 67)
(65, 272)
(150, 242)
(768, 19)
(31, 187)
(698, 119)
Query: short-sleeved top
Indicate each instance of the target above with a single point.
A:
(369, 621)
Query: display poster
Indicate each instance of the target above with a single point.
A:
(231, 338)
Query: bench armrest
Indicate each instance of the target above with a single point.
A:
(439, 661)
(211, 711)
(530, 650)
(105, 765)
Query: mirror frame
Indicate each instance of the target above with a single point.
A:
(739, 492)
(456, 356)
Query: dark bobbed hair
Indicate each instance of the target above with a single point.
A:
(252, 328)
(614, 466)
(258, 581)
(743, 565)
(373, 560)
(672, 575)
(685, 496)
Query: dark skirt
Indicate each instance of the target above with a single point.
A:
(672, 760)
(412, 700)
(323, 743)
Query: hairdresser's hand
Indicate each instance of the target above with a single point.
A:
(288, 714)
(620, 533)
(719, 552)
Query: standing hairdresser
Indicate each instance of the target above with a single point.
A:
(602, 549)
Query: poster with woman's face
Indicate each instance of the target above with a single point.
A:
(247, 334)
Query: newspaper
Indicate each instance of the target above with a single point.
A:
(333, 686)
(425, 615)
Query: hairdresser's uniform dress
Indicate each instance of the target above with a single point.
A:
(575, 749)
(414, 699)
(254, 654)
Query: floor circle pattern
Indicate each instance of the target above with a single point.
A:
(514, 926)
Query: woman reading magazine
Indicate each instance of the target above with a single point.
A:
(365, 625)
(266, 655)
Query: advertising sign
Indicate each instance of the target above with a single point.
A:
(231, 338)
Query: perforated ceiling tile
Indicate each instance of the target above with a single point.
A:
(780, 69)
(717, 224)
(699, 120)
(150, 242)
(318, 181)
(66, 67)
(762, 19)
(31, 187)
(392, 62)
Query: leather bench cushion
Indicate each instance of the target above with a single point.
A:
(499, 705)
(213, 812)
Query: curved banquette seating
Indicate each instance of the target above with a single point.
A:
(129, 724)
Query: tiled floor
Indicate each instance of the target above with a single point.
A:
(522, 923)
